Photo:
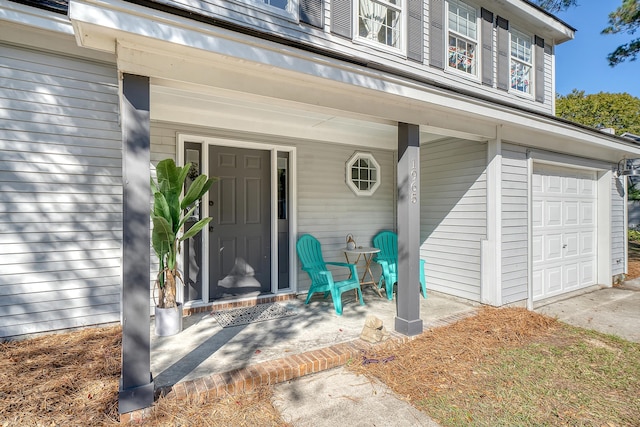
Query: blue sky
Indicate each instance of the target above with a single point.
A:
(582, 63)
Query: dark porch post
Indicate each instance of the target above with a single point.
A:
(136, 383)
(408, 320)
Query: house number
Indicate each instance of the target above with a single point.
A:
(414, 182)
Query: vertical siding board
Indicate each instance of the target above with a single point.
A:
(453, 219)
(415, 30)
(341, 18)
(60, 174)
(515, 223)
(502, 61)
(436, 33)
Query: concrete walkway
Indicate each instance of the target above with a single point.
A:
(614, 311)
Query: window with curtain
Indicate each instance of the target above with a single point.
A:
(380, 21)
(521, 62)
(463, 37)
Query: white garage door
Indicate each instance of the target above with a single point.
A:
(564, 230)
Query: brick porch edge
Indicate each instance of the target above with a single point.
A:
(278, 370)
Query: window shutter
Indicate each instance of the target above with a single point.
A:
(503, 54)
(539, 76)
(487, 47)
(436, 33)
(311, 12)
(415, 31)
(341, 16)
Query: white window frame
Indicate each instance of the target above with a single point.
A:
(291, 12)
(515, 59)
(464, 37)
(373, 165)
(399, 7)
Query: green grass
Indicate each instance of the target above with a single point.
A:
(574, 378)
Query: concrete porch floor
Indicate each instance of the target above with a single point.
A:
(204, 353)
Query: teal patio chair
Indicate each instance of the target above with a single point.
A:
(310, 255)
(387, 242)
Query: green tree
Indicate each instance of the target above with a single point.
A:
(619, 111)
(625, 19)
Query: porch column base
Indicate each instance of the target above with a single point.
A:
(135, 398)
(408, 327)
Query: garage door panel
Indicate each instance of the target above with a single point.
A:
(587, 273)
(587, 213)
(537, 217)
(553, 215)
(570, 185)
(538, 284)
(553, 246)
(571, 276)
(564, 207)
(571, 213)
(537, 249)
(587, 244)
(553, 184)
(570, 245)
(587, 186)
(553, 280)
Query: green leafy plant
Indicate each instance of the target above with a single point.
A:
(168, 217)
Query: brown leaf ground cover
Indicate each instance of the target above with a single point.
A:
(508, 367)
(501, 367)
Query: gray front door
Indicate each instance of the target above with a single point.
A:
(240, 232)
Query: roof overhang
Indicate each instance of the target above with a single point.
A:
(199, 73)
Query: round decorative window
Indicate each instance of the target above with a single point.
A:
(363, 174)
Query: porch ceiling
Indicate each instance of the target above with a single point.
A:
(230, 110)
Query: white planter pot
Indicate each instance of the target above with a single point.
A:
(168, 321)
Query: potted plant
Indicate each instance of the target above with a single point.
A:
(170, 212)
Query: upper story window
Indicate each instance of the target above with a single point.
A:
(463, 37)
(380, 21)
(521, 62)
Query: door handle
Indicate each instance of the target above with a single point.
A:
(564, 246)
(210, 228)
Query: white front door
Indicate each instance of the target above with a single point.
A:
(564, 230)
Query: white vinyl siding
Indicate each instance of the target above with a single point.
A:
(60, 192)
(329, 210)
(453, 215)
(515, 224)
(618, 226)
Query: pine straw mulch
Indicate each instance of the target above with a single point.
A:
(448, 355)
(510, 366)
(633, 268)
(71, 379)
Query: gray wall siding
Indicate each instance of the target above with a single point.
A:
(60, 192)
(453, 219)
(329, 210)
(514, 227)
(259, 18)
(618, 226)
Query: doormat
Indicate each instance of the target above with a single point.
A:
(253, 314)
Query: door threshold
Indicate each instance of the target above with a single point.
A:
(231, 302)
